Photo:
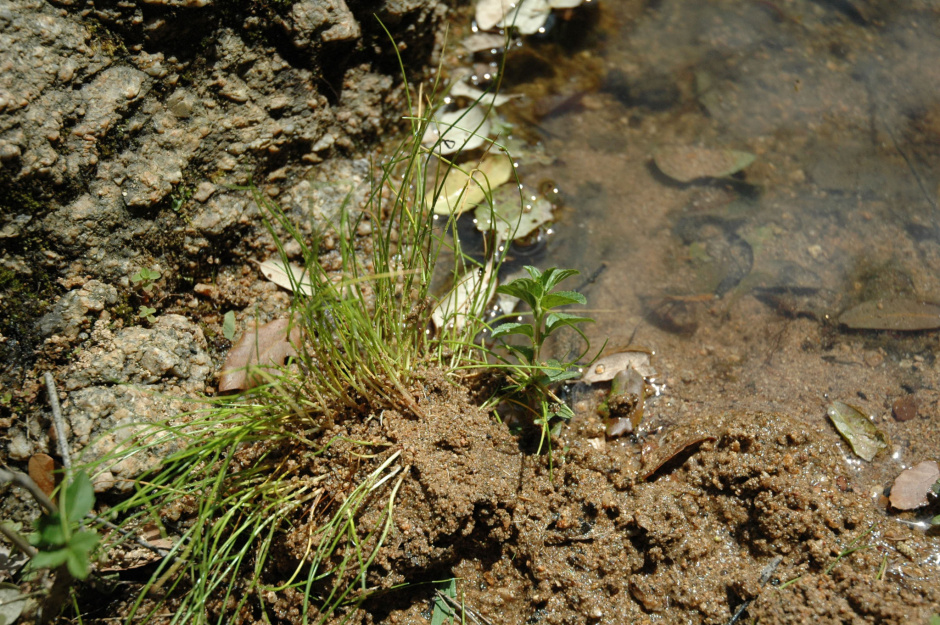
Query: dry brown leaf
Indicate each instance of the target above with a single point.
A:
(265, 346)
(41, 470)
(912, 485)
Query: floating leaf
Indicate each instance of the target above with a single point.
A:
(606, 368)
(912, 485)
(486, 99)
(265, 346)
(462, 190)
(894, 314)
(464, 129)
(863, 437)
(289, 276)
(40, 470)
(512, 216)
(688, 163)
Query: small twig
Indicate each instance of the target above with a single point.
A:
(160, 551)
(458, 607)
(765, 576)
(18, 541)
(22, 480)
(59, 422)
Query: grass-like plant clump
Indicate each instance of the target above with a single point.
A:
(242, 477)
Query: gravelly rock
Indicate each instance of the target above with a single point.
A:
(123, 126)
(173, 350)
(70, 314)
(128, 379)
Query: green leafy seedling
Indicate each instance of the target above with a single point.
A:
(532, 378)
(59, 536)
(145, 279)
(146, 312)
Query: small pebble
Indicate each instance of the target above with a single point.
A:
(904, 408)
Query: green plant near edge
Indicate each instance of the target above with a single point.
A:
(531, 378)
(59, 536)
(145, 278)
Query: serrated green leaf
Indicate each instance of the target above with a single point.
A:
(560, 320)
(562, 298)
(79, 553)
(863, 437)
(228, 325)
(79, 497)
(527, 353)
(49, 531)
(49, 559)
(553, 276)
(513, 328)
(525, 289)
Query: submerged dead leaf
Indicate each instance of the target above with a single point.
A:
(912, 485)
(688, 163)
(894, 314)
(863, 437)
(265, 346)
(41, 470)
(463, 190)
(513, 216)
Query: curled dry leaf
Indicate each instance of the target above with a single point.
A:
(674, 448)
(912, 485)
(41, 470)
(606, 368)
(468, 298)
(265, 346)
(863, 437)
(688, 163)
(894, 314)
(289, 276)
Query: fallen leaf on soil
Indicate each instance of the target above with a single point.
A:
(912, 485)
(673, 445)
(265, 346)
(289, 276)
(895, 314)
(12, 603)
(40, 468)
(863, 437)
(688, 163)
(606, 368)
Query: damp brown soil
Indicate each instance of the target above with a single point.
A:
(727, 512)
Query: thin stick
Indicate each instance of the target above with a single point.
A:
(59, 426)
(9, 476)
(18, 541)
